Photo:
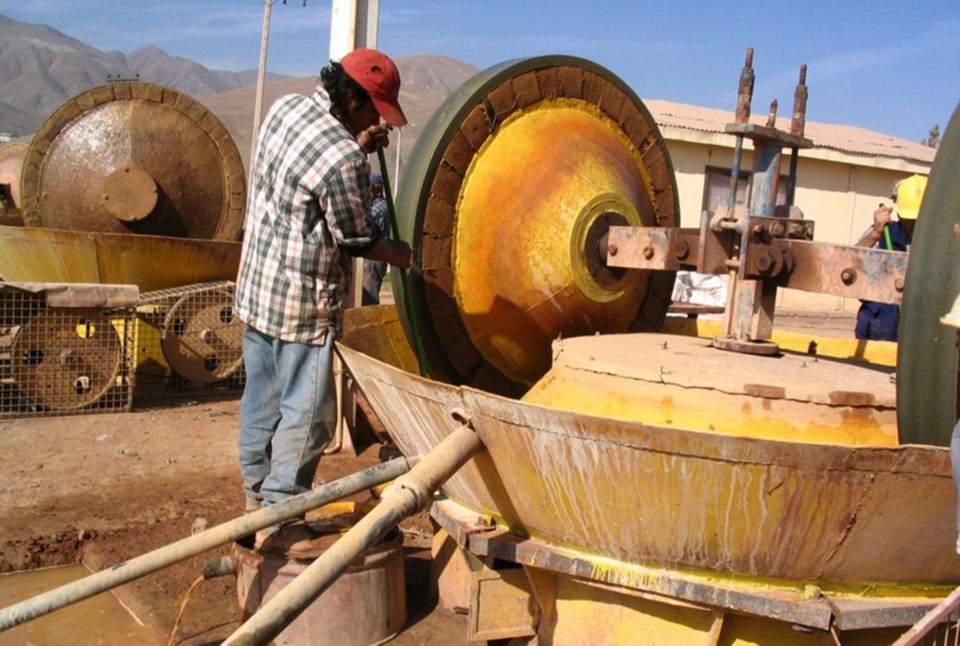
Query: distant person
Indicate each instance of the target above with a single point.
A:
(952, 319)
(375, 270)
(306, 219)
(880, 321)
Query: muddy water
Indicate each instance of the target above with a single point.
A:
(97, 620)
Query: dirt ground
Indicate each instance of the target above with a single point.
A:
(102, 488)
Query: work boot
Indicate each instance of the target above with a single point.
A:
(296, 540)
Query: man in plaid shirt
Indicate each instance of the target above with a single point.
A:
(307, 217)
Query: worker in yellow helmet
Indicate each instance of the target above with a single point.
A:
(879, 321)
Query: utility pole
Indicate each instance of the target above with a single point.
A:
(261, 77)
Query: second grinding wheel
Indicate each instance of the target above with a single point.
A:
(131, 157)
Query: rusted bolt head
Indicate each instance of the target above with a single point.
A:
(681, 249)
(612, 250)
(848, 276)
(898, 283)
(795, 229)
(777, 229)
(648, 252)
(764, 263)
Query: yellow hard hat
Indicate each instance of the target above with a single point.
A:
(952, 318)
(909, 195)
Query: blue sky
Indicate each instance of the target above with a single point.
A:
(892, 66)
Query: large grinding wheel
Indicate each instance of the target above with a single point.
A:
(66, 358)
(133, 157)
(927, 354)
(506, 199)
(201, 338)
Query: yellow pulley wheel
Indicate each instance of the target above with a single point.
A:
(507, 200)
(201, 339)
(66, 358)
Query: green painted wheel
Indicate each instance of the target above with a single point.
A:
(927, 352)
(506, 200)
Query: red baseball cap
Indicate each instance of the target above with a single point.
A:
(378, 75)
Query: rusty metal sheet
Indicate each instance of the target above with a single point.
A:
(869, 518)
(149, 262)
(851, 272)
(783, 605)
(645, 248)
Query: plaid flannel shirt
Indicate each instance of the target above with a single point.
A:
(307, 204)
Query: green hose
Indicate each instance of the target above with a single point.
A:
(404, 282)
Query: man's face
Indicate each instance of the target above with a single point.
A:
(361, 116)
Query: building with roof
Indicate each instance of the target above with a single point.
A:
(841, 180)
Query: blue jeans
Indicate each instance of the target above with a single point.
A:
(287, 415)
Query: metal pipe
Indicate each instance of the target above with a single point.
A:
(191, 546)
(742, 115)
(408, 495)
(407, 295)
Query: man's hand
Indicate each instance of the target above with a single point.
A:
(400, 251)
(881, 218)
(375, 137)
(394, 252)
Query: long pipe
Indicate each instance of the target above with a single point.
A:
(407, 495)
(198, 543)
(417, 341)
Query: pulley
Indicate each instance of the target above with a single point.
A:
(66, 358)
(201, 338)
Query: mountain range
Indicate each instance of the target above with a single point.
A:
(41, 68)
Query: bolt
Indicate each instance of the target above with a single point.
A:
(757, 229)
(764, 263)
(777, 229)
(898, 283)
(796, 229)
(809, 231)
(612, 250)
(648, 253)
(848, 276)
(681, 250)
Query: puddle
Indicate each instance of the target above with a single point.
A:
(97, 620)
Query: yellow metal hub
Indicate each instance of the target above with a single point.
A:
(531, 200)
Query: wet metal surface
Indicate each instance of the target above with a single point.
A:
(151, 262)
(866, 519)
(139, 158)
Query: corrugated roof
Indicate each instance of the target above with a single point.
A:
(850, 140)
